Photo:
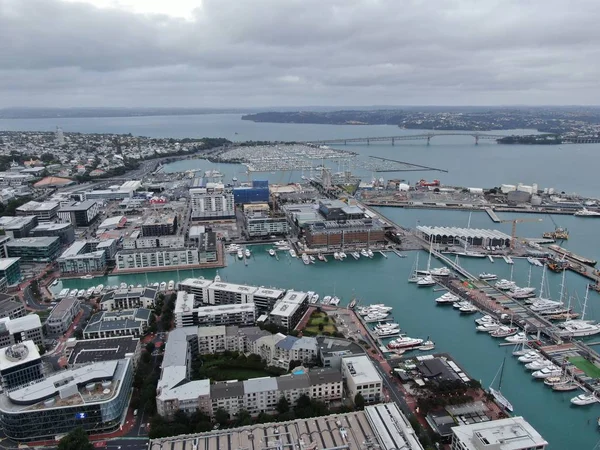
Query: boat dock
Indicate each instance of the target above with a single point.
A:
(398, 254)
(572, 257)
(492, 215)
(383, 254)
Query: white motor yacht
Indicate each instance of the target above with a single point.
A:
(271, 252)
(336, 301)
(171, 285)
(517, 338)
(326, 300)
(404, 342)
(293, 253)
(543, 304)
(440, 272)
(89, 292)
(355, 255)
(485, 319)
(585, 399)
(551, 371)
(538, 364)
(247, 253)
(468, 308)
(447, 298)
(98, 289)
(364, 253)
(343, 255)
(586, 213)
(370, 253)
(488, 276)
(162, 286)
(530, 356)
(519, 293)
(305, 259)
(426, 281)
(336, 255)
(578, 328)
(240, 254)
(504, 285)
(488, 327)
(534, 261)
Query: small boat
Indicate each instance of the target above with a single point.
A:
(440, 272)
(468, 308)
(334, 300)
(314, 298)
(240, 254)
(488, 276)
(163, 286)
(80, 293)
(171, 285)
(293, 253)
(336, 255)
(139, 286)
(305, 259)
(565, 387)
(73, 293)
(326, 300)
(534, 261)
(281, 243)
(343, 255)
(247, 253)
(312, 259)
(584, 399)
(364, 253)
(55, 282)
(155, 285)
(130, 286)
(517, 338)
(89, 292)
(426, 346)
(370, 253)
(320, 257)
(355, 255)
(504, 331)
(63, 293)
(87, 277)
(271, 252)
(546, 372)
(98, 289)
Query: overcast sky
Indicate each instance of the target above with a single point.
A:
(228, 53)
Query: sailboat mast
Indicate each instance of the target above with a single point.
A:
(529, 277)
(562, 286)
(501, 373)
(543, 280)
(430, 250)
(587, 290)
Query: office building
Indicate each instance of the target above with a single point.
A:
(129, 322)
(134, 241)
(288, 311)
(207, 247)
(26, 328)
(45, 212)
(362, 378)
(62, 316)
(331, 235)
(84, 257)
(212, 202)
(11, 270)
(18, 227)
(381, 427)
(163, 225)
(513, 433)
(64, 231)
(80, 214)
(257, 193)
(133, 260)
(186, 314)
(130, 298)
(260, 224)
(94, 397)
(11, 307)
(34, 249)
(20, 364)
(88, 351)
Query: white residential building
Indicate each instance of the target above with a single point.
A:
(130, 298)
(157, 257)
(13, 331)
(513, 433)
(212, 202)
(362, 378)
(62, 316)
(288, 311)
(186, 314)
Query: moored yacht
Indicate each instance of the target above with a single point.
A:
(247, 253)
(293, 253)
(440, 272)
(550, 371)
(162, 286)
(364, 253)
(355, 255)
(521, 336)
(488, 276)
(586, 213)
(578, 328)
(488, 327)
(426, 281)
(585, 399)
(271, 252)
(171, 285)
(539, 364)
(504, 331)
(404, 342)
(468, 308)
(447, 298)
(240, 253)
(505, 285)
(305, 259)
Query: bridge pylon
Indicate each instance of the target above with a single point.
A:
(476, 139)
(428, 139)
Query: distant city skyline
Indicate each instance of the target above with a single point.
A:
(273, 53)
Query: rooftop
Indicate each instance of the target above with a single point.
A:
(42, 241)
(78, 206)
(225, 309)
(463, 232)
(196, 282)
(18, 354)
(64, 305)
(513, 433)
(15, 223)
(255, 385)
(34, 206)
(109, 349)
(289, 304)
(360, 429)
(5, 263)
(338, 347)
(52, 226)
(19, 324)
(230, 287)
(361, 369)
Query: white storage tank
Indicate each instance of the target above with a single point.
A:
(535, 188)
(403, 187)
(477, 191)
(525, 188)
(506, 188)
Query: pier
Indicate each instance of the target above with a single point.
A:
(492, 215)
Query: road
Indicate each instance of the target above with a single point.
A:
(127, 444)
(30, 300)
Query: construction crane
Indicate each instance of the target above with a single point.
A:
(514, 228)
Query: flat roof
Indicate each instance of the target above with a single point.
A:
(255, 385)
(224, 309)
(111, 221)
(63, 306)
(351, 430)
(330, 346)
(74, 249)
(463, 232)
(20, 324)
(289, 304)
(231, 287)
(218, 330)
(42, 241)
(17, 354)
(78, 206)
(15, 223)
(361, 369)
(108, 349)
(37, 206)
(184, 302)
(513, 433)
(195, 282)
(52, 226)
(5, 263)
(269, 292)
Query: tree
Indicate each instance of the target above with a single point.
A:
(283, 405)
(76, 440)
(321, 327)
(150, 347)
(243, 418)
(359, 401)
(221, 417)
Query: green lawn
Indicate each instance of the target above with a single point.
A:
(320, 318)
(315, 329)
(587, 367)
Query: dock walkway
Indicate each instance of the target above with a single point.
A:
(492, 215)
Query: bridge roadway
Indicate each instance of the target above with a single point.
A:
(409, 137)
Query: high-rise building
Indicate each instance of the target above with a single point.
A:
(20, 364)
(211, 202)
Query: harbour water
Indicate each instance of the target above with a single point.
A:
(381, 280)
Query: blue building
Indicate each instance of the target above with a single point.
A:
(257, 193)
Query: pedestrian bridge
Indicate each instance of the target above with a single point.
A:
(406, 137)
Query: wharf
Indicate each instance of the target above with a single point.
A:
(570, 256)
(492, 215)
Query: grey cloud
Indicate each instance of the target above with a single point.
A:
(295, 52)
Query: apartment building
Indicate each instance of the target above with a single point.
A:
(362, 378)
(80, 214)
(26, 328)
(288, 311)
(212, 202)
(129, 298)
(280, 350)
(187, 314)
(143, 258)
(513, 433)
(18, 227)
(10, 307)
(62, 316)
(129, 322)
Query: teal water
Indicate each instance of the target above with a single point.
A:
(570, 168)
